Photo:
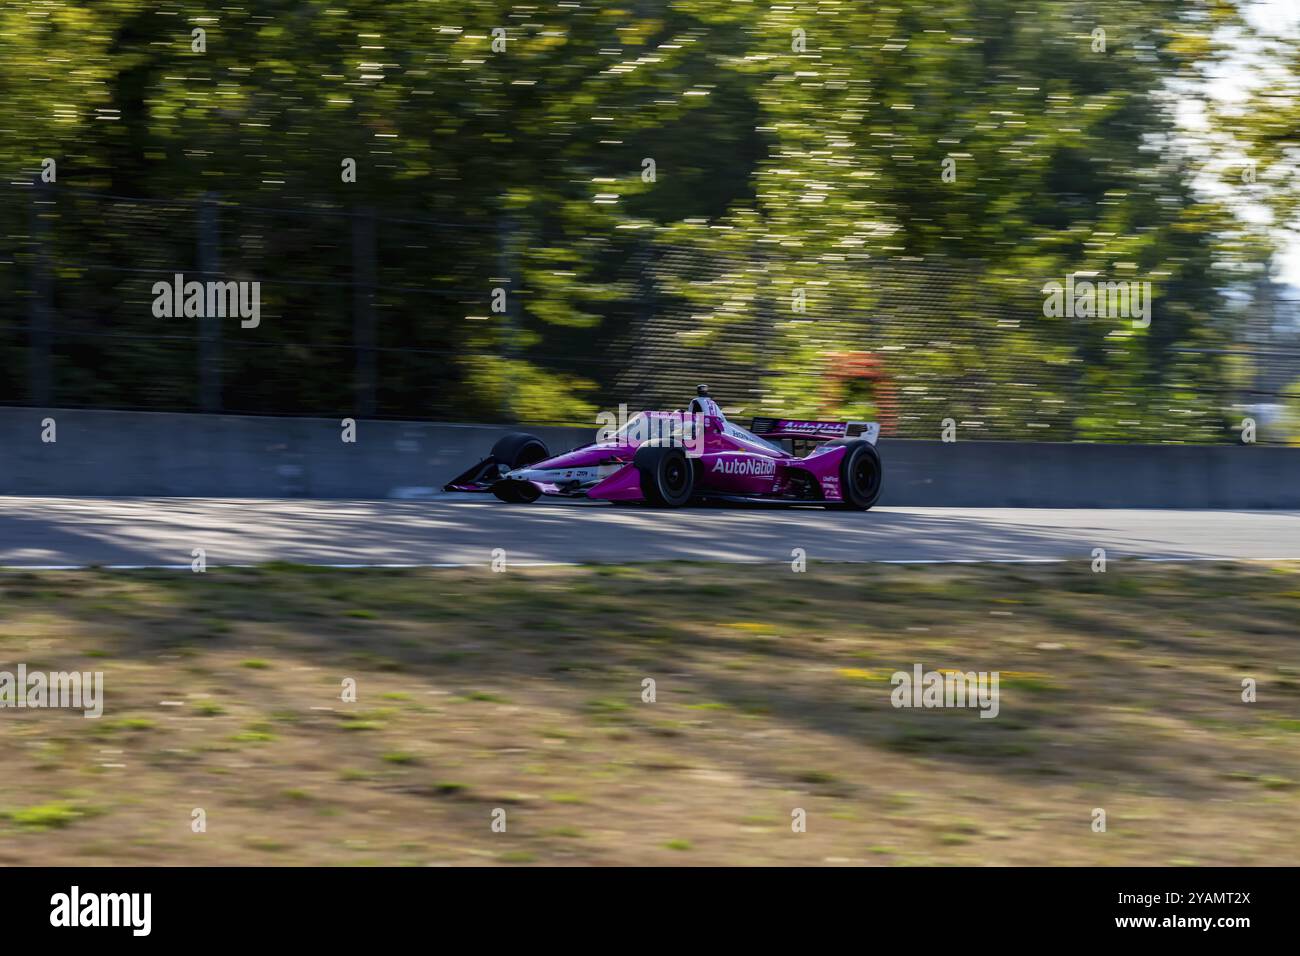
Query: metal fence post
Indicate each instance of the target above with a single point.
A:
(209, 255)
(363, 308)
(40, 380)
(507, 266)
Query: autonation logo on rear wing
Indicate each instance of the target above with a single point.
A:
(802, 428)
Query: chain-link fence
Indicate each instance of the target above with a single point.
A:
(380, 314)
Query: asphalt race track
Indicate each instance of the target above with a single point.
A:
(464, 530)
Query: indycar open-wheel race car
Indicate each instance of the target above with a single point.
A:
(671, 458)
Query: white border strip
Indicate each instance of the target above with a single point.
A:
(1179, 559)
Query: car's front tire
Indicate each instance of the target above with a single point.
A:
(861, 474)
(667, 475)
(516, 492)
(518, 449)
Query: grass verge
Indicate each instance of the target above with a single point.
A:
(523, 692)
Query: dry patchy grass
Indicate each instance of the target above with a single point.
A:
(523, 691)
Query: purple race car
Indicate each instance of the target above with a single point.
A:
(671, 458)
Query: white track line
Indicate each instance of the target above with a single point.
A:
(1177, 559)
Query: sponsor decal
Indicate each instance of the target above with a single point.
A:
(583, 475)
(744, 466)
(813, 428)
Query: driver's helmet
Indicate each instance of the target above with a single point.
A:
(704, 405)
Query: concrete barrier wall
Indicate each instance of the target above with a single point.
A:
(102, 453)
(1062, 475)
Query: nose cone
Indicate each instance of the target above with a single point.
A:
(589, 456)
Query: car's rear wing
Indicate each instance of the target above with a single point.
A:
(814, 431)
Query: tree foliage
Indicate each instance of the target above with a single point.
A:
(805, 155)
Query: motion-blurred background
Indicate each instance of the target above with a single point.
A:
(818, 208)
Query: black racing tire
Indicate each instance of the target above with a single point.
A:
(516, 492)
(667, 475)
(517, 449)
(861, 474)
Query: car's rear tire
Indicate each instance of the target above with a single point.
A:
(517, 449)
(861, 475)
(516, 492)
(667, 475)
